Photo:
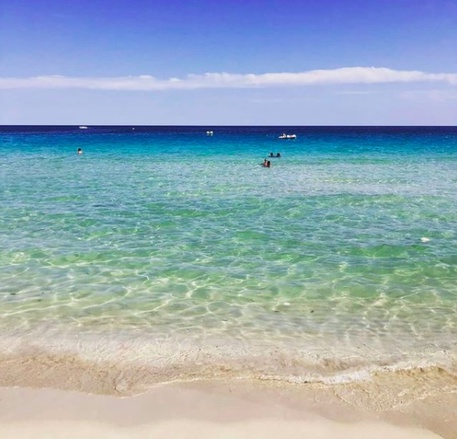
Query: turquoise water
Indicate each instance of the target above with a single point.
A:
(349, 239)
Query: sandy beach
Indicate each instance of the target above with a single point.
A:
(60, 393)
(222, 409)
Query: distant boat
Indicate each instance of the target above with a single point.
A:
(82, 127)
(209, 133)
(288, 136)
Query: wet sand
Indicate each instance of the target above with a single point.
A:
(99, 390)
(224, 409)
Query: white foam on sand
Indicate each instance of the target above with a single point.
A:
(186, 411)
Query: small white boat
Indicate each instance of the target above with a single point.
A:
(209, 133)
(288, 136)
(83, 127)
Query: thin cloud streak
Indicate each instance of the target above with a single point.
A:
(344, 75)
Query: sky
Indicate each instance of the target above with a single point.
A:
(228, 62)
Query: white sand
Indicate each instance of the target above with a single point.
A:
(190, 411)
(267, 428)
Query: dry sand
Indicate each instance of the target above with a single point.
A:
(232, 409)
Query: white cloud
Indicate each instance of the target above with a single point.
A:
(344, 75)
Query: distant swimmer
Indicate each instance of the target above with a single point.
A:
(80, 151)
(266, 163)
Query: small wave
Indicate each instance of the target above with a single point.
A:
(131, 365)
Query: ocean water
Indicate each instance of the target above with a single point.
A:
(169, 248)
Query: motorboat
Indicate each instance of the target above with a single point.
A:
(288, 136)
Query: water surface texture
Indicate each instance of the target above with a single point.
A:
(347, 242)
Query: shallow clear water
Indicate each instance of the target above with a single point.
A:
(349, 238)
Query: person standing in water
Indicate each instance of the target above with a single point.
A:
(80, 151)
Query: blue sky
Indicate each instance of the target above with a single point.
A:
(224, 62)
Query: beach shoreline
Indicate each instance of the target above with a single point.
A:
(96, 382)
(318, 294)
(227, 408)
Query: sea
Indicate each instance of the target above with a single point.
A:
(169, 253)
